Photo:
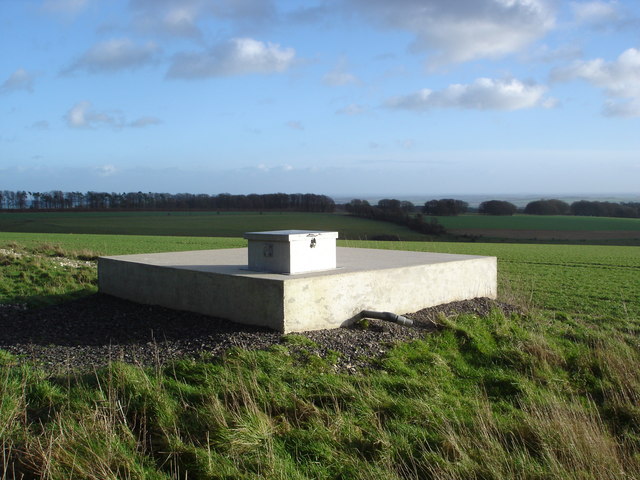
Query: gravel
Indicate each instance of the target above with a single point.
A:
(91, 332)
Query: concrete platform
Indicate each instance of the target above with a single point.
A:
(218, 283)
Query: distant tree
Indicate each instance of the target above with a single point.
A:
(359, 207)
(397, 206)
(389, 205)
(390, 210)
(407, 207)
(445, 207)
(21, 199)
(547, 207)
(497, 207)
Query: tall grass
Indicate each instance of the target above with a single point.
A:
(45, 274)
(495, 397)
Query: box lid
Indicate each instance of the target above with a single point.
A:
(288, 235)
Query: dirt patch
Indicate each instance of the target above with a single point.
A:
(91, 332)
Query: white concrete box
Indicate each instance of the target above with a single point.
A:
(291, 251)
(217, 283)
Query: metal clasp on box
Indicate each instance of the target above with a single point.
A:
(313, 240)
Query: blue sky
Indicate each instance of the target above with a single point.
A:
(352, 97)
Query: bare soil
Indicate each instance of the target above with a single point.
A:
(550, 234)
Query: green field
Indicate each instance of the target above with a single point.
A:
(541, 222)
(517, 228)
(120, 244)
(552, 393)
(201, 224)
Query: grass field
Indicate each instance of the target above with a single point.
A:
(550, 394)
(541, 222)
(546, 229)
(201, 224)
(520, 228)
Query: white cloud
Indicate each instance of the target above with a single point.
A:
(106, 170)
(18, 80)
(483, 94)
(462, 30)
(115, 54)
(239, 56)
(82, 115)
(352, 109)
(595, 12)
(264, 168)
(620, 80)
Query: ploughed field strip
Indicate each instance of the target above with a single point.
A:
(550, 234)
(93, 331)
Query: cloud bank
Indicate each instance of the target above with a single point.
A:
(181, 18)
(463, 30)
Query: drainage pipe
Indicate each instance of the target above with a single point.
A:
(388, 316)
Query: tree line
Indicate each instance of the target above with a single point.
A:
(399, 211)
(451, 207)
(395, 211)
(584, 208)
(58, 200)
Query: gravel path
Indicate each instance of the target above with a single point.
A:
(90, 332)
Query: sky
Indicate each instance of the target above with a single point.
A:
(351, 97)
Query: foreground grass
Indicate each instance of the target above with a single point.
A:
(551, 394)
(493, 398)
